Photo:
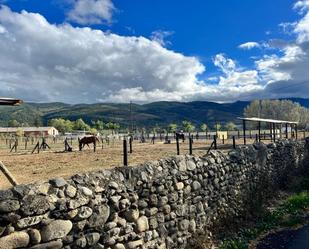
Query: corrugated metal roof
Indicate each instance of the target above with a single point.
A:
(28, 129)
(8, 101)
(276, 121)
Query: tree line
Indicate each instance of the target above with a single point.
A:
(64, 125)
(279, 109)
(271, 109)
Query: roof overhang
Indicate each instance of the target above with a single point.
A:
(9, 101)
(265, 120)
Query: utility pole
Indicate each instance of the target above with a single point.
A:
(131, 118)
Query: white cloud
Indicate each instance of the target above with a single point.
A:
(160, 37)
(302, 5)
(40, 61)
(64, 63)
(235, 77)
(91, 11)
(249, 45)
(226, 65)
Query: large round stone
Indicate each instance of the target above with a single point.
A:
(55, 230)
(84, 213)
(49, 245)
(142, 224)
(35, 236)
(99, 216)
(132, 215)
(9, 206)
(14, 240)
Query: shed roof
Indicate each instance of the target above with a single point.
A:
(27, 129)
(9, 101)
(276, 121)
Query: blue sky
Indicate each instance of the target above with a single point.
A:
(184, 50)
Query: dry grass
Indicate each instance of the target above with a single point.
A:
(27, 167)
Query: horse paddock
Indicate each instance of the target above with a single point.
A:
(27, 167)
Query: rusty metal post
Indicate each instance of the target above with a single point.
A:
(125, 153)
(190, 145)
(177, 145)
(234, 143)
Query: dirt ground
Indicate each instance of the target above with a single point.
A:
(27, 167)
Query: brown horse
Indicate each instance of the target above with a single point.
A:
(88, 140)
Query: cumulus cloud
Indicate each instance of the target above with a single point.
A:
(40, 61)
(287, 75)
(71, 64)
(249, 45)
(235, 77)
(91, 11)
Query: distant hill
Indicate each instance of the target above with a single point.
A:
(146, 115)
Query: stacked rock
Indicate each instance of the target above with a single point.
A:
(160, 204)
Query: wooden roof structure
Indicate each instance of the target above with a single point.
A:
(11, 102)
(273, 123)
(265, 120)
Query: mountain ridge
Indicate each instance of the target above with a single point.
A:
(147, 115)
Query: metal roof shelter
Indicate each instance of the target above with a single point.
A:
(273, 123)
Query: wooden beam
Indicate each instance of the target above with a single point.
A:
(8, 174)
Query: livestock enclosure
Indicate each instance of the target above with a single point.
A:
(28, 167)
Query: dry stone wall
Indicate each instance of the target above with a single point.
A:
(157, 205)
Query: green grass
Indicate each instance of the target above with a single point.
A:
(290, 213)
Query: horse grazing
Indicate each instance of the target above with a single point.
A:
(88, 140)
(180, 136)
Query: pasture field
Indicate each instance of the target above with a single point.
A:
(27, 167)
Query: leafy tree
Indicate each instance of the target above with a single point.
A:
(98, 125)
(93, 131)
(61, 124)
(79, 124)
(188, 126)
(217, 126)
(278, 109)
(112, 126)
(13, 123)
(204, 127)
(230, 126)
(172, 127)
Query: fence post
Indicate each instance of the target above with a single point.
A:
(190, 145)
(215, 142)
(234, 143)
(177, 145)
(130, 142)
(16, 144)
(125, 153)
